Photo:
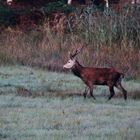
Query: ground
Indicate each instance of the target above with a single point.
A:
(36, 105)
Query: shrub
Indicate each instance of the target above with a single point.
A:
(7, 16)
(58, 6)
(112, 40)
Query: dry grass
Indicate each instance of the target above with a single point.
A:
(110, 41)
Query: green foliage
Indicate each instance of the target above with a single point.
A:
(10, 16)
(58, 6)
(7, 16)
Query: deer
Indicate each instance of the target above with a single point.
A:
(95, 76)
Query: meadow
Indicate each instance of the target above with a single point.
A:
(36, 104)
(41, 101)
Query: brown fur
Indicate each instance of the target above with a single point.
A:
(99, 76)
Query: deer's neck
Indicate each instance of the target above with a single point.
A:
(77, 68)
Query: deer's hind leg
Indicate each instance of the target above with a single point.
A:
(120, 87)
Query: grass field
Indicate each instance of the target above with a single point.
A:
(42, 105)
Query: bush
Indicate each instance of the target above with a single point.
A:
(7, 16)
(112, 40)
(58, 6)
(31, 16)
(107, 27)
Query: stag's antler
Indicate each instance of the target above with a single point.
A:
(78, 50)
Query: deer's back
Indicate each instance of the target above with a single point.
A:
(100, 76)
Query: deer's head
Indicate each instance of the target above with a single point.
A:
(72, 59)
(9, 2)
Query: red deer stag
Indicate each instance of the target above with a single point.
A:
(96, 76)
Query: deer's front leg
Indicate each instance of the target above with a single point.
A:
(90, 85)
(91, 92)
(85, 92)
